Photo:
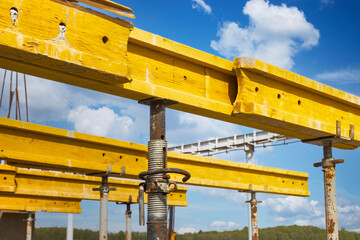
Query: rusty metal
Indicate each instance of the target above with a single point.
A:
(128, 222)
(157, 184)
(328, 163)
(171, 222)
(104, 201)
(29, 226)
(254, 221)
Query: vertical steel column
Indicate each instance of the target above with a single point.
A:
(29, 226)
(104, 201)
(157, 201)
(70, 227)
(171, 222)
(254, 222)
(328, 164)
(128, 222)
(249, 158)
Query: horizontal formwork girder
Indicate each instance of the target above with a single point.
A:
(114, 57)
(58, 186)
(36, 204)
(27, 144)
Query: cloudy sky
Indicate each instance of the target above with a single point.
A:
(319, 39)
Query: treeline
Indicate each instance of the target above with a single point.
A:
(273, 233)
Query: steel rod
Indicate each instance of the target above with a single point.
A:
(29, 226)
(128, 222)
(157, 201)
(254, 220)
(70, 227)
(332, 231)
(104, 196)
(171, 222)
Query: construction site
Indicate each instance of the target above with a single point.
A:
(52, 169)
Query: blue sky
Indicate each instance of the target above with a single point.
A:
(319, 39)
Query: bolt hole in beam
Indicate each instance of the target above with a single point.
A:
(256, 89)
(279, 96)
(299, 102)
(14, 13)
(185, 77)
(105, 39)
(103, 154)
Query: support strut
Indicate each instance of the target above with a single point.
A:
(157, 184)
(254, 222)
(128, 222)
(104, 200)
(328, 164)
(29, 226)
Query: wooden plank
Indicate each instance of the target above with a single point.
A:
(27, 144)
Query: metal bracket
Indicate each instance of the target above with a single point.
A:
(163, 101)
(337, 138)
(104, 188)
(109, 173)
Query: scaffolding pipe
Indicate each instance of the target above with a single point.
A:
(328, 164)
(29, 226)
(128, 222)
(157, 201)
(70, 227)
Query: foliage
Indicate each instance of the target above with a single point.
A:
(274, 233)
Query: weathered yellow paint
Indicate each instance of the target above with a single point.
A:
(72, 187)
(277, 97)
(27, 144)
(35, 204)
(136, 64)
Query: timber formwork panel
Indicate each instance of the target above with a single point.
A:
(64, 191)
(113, 57)
(27, 144)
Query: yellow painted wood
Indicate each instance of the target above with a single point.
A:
(27, 144)
(137, 64)
(277, 97)
(84, 52)
(72, 187)
(35, 204)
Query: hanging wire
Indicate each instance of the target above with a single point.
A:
(2, 89)
(11, 94)
(14, 94)
(18, 110)
(26, 100)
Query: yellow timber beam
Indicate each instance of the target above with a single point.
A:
(113, 57)
(35, 204)
(35, 190)
(27, 144)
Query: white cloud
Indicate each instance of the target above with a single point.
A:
(224, 226)
(191, 128)
(343, 76)
(291, 206)
(102, 122)
(274, 34)
(327, 2)
(186, 230)
(200, 5)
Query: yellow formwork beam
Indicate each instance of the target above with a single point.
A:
(35, 204)
(27, 144)
(113, 57)
(72, 187)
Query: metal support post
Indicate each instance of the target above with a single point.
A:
(249, 158)
(328, 163)
(70, 227)
(171, 222)
(157, 184)
(128, 222)
(29, 226)
(104, 201)
(254, 222)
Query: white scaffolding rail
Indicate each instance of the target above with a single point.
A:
(227, 143)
